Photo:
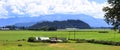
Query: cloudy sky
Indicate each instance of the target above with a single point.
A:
(35, 8)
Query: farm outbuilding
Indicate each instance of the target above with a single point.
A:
(42, 38)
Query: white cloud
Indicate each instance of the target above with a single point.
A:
(3, 12)
(43, 7)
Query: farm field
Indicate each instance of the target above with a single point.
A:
(81, 34)
(9, 40)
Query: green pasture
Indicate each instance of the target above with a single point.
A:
(9, 40)
(19, 34)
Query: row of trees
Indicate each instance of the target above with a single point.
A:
(45, 28)
(13, 27)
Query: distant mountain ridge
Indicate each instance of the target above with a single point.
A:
(25, 24)
(93, 22)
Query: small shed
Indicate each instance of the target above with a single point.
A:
(42, 39)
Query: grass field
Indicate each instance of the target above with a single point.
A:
(9, 40)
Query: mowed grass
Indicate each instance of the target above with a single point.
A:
(56, 46)
(9, 40)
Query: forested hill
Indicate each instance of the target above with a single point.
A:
(61, 24)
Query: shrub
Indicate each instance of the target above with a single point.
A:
(117, 44)
(80, 41)
(98, 42)
(110, 43)
(104, 42)
(23, 39)
(18, 40)
(31, 39)
(91, 41)
(103, 32)
(73, 39)
(19, 45)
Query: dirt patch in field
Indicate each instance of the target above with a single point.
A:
(62, 46)
(58, 45)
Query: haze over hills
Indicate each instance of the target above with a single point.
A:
(23, 21)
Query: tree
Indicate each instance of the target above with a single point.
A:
(112, 13)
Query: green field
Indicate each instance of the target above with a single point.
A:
(9, 40)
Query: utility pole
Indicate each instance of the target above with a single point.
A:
(74, 34)
(114, 35)
(69, 35)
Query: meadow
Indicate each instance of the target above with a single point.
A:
(11, 39)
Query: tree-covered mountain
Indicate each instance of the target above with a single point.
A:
(61, 24)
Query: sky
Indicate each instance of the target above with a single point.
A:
(36, 8)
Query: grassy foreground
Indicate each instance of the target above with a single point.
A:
(9, 40)
(57, 46)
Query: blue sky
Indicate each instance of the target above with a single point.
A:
(99, 1)
(35, 8)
